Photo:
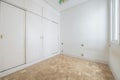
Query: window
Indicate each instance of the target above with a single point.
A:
(115, 18)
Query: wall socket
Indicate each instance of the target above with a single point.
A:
(82, 45)
(82, 54)
(62, 43)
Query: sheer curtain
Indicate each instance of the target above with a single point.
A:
(115, 22)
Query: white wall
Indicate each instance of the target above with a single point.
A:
(114, 61)
(86, 24)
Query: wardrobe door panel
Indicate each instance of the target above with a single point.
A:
(12, 28)
(1, 35)
(34, 37)
(51, 37)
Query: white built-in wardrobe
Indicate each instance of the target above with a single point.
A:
(29, 31)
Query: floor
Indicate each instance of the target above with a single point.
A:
(63, 68)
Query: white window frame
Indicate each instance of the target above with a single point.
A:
(115, 22)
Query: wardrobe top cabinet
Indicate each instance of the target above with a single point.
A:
(39, 7)
(51, 14)
(29, 5)
(34, 6)
(19, 3)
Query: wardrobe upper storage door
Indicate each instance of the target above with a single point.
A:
(34, 37)
(34, 6)
(20, 3)
(12, 45)
(51, 14)
(51, 39)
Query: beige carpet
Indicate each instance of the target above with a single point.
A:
(63, 68)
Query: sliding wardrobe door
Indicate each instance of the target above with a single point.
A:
(12, 31)
(51, 37)
(1, 38)
(34, 41)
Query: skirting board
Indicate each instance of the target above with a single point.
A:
(2, 74)
(114, 74)
(94, 60)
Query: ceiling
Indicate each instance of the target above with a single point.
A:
(66, 5)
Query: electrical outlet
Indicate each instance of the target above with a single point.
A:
(82, 45)
(62, 43)
(82, 54)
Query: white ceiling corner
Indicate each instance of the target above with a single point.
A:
(68, 4)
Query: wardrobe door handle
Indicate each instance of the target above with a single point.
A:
(1, 36)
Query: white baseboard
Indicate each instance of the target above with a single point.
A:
(114, 74)
(84, 58)
(5, 73)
